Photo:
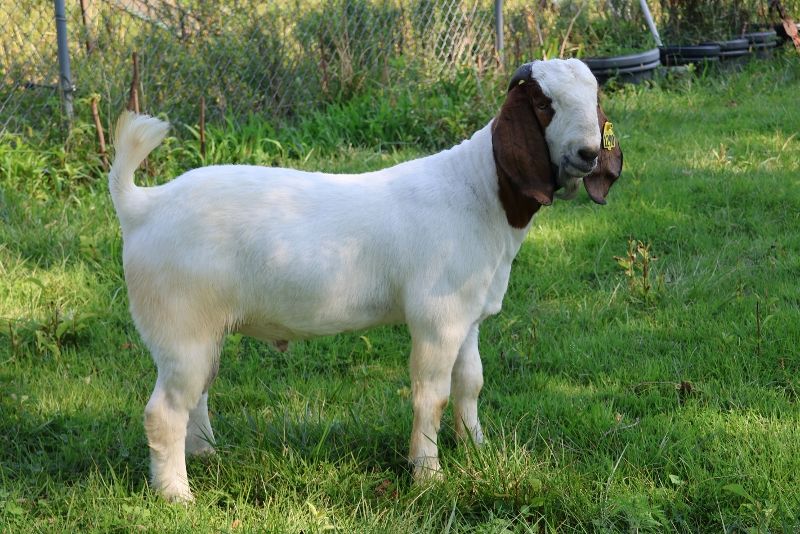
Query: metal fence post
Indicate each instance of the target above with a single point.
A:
(65, 75)
(650, 24)
(498, 28)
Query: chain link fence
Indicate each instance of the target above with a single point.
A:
(240, 56)
(273, 59)
(28, 65)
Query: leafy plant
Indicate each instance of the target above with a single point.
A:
(60, 328)
(637, 266)
(761, 512)
(632, 513)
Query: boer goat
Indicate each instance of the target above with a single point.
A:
(281, 254)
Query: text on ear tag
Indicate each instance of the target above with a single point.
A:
(609, 139)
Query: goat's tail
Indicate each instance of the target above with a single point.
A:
(134, 138)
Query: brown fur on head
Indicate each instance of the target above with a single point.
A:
(527, 180)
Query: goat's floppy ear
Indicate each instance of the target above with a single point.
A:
(520, 149)
(609, 162)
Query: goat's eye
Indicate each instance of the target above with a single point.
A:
(543, 106)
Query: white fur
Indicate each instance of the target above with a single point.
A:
(573, 89)
(284, 254)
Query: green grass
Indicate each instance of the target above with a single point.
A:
(612, 402)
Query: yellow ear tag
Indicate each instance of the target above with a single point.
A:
(609, 139)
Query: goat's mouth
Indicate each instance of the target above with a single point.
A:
(571, 168)
(569, 175)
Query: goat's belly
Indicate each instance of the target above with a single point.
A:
(270, 332)
(315, 323)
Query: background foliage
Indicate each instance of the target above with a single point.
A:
(274, 59)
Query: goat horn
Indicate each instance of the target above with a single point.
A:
(522, 75)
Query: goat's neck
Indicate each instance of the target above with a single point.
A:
(473, 161)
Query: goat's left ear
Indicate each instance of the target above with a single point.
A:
(609, 162)
(520, 149)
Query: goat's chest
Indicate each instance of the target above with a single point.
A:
(497, 287)
(496, 291)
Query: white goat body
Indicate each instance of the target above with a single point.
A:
(284, 254)
(294, 254)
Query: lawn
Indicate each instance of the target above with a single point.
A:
(643, 375)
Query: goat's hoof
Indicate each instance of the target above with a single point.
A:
(474, 437)
(185, 500)
(427, 476)
(206, 451)
(177, 495)
(427, 471)
(197, 445)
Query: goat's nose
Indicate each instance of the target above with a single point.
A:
(588, 154)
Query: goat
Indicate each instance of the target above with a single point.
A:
(280, 254)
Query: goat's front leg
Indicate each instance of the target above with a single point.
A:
(433, 353)
(467, 382)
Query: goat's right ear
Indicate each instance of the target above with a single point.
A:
(520, 149)
(609, 162)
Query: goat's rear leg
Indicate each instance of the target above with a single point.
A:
(199, 436)
(183, 374)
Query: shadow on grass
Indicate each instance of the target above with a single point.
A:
(61, 452)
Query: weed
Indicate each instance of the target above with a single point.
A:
(760, 513)
(637, 267)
